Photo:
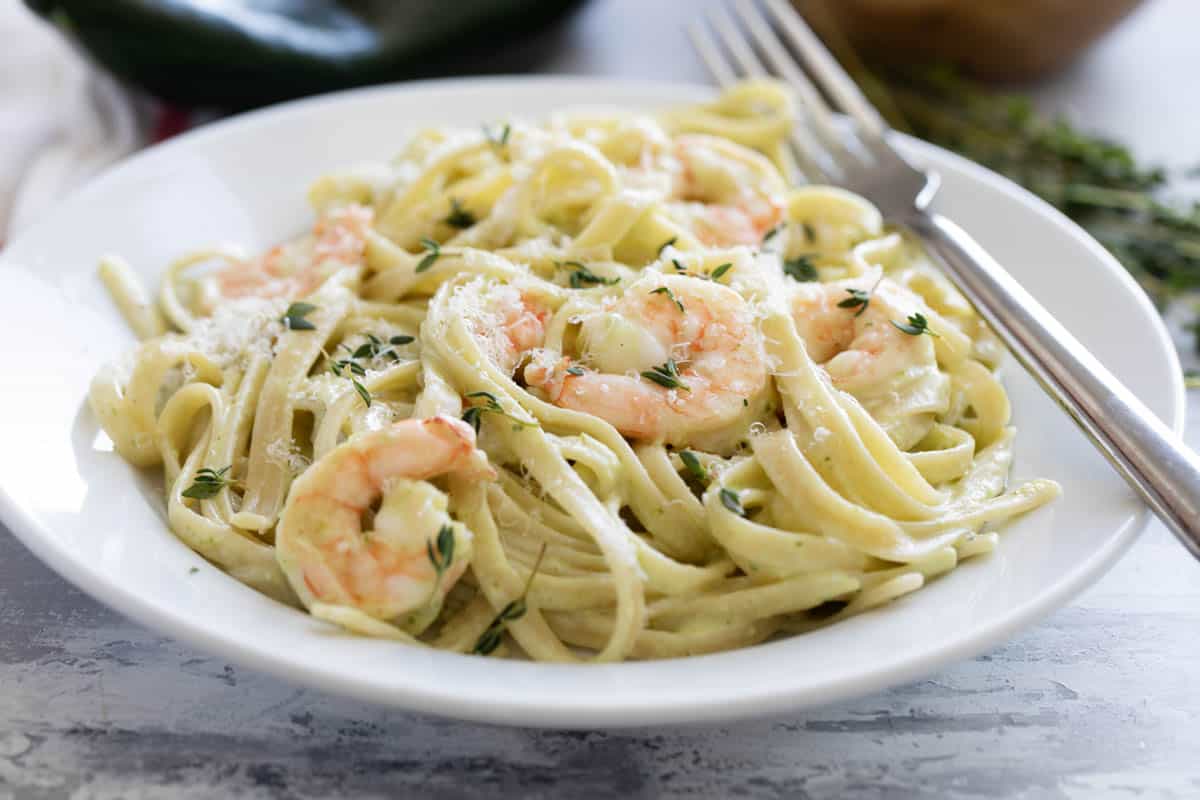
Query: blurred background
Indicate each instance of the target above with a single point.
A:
(1081, 101)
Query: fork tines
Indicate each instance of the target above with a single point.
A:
(778, 43)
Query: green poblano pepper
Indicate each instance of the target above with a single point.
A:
(248, 52)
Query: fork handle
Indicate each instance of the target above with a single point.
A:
(1153, 460)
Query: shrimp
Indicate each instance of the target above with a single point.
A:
(511, 323)
(858, 347)
(322, 544)
(732, 195)
(296, 269)
(699, 338)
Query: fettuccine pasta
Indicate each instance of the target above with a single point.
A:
(611, 386)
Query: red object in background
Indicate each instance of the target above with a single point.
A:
(170, 121)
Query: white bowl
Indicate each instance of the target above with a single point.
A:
(100, 523)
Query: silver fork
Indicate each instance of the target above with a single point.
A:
(1142, 449)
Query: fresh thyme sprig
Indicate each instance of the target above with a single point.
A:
(667, 376)
(442, 557)
(670, 296)
(349, 368)
(667, 244)
(375, 347)
(491, 637)
(208, 483)
(581, 276)
(858, 298)
(432, 251)
(294, 318)
(731, 501)
(915, 326)
(801, 269)
(720, 271)
(473, 416)
(1095, 181)
(459, 217)
(693, 465)
(498, 140)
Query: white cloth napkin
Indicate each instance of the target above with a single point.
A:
(61, 120)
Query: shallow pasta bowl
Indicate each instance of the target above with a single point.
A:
(100, 523)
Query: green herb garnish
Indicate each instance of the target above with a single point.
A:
(573, 370)
(915, 326)
(581, 276)
(666, 244)
(670, 296)
(374, 347)
(491, 637)
(500, 139)
(771, 234)
(473, 416)
(666, 376)
(432, 251)
(858, 298)
(720, 271)
(730, 499)
(801, 269)
(342, 366)
(208, 483)
(444, 554)
(294, 318)
(459, 217)
(1093, 180)
(693, 465)
(349, 368)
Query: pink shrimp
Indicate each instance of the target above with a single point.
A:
(321, 542)
(296, 269)
(672, 358)
(510, 323)
(859, 349)
(737, 189)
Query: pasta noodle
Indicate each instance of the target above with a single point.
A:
(610, 386)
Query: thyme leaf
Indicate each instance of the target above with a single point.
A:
(915, 326)
(581, 276)
(208, 483)
(459, 217)
(693, 465)
(801, 269)
(731, 500)
(473, 416)
(670, 296)
(432, 251)
(667, 376)
(294, 318)
(720, 271)
(491, 637)
(444, 554)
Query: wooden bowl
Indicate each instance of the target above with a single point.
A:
(1004, 40)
